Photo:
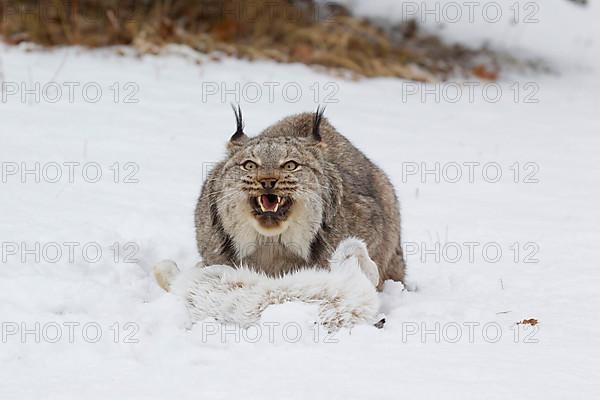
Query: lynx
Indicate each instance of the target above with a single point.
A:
(285, 199)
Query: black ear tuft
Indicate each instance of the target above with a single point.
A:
(239, 132)
(317, 122)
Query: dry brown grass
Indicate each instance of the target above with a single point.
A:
(282, 30)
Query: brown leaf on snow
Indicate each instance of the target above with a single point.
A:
(530, 321)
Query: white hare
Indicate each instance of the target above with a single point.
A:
(345, 293)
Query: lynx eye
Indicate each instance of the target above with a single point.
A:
(290, 166)
(249, 165)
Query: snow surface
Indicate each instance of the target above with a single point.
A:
(172, 135)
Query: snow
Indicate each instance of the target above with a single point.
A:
(176, 130)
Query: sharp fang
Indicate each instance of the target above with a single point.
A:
(263, 209)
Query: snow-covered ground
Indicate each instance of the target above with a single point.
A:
(157, 126)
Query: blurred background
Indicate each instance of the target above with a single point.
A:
(423, 41)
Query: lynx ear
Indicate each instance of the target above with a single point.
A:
(318, 116)
(239, 135)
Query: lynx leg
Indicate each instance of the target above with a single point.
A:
(394, 269)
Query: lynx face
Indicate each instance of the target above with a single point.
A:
(272, 184)
(271, 192)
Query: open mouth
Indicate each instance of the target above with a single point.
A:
(271, 205)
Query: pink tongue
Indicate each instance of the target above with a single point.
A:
(267, 204)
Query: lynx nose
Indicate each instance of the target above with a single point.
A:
(268, 183)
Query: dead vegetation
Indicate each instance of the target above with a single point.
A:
(282, 30)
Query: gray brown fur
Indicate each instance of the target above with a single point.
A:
(337, 192)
